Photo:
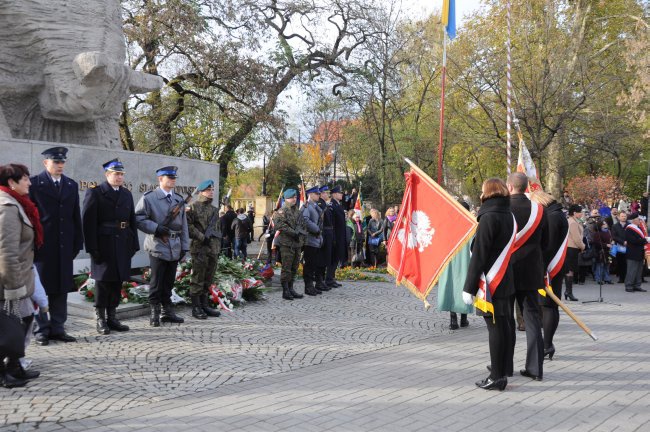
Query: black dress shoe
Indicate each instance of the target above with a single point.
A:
(42, 339)
(18, 372)
(490, 384)
(527, 374)
(63, 337)
(9, 381)
(640, 289)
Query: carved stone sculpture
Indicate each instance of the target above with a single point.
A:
(62, 71)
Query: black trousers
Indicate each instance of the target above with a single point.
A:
(58, 304)
(107, 294)
(312, 265)
(163, 274)
(529, 303)
(550, 312)
(499, 340)
(621, 266)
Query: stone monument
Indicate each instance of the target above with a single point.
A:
(63, 76)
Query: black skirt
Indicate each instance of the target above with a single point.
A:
(571, 260)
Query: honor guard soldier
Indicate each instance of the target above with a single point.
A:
(314, 268)
(325, 203)
(205, 232)
(161, 215)
(57, 199)
(111, 238)
(340, 250)
(291, 225)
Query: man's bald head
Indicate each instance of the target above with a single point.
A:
(518, 182)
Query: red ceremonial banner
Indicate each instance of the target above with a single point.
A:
(430, 229)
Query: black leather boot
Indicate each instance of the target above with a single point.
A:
(211, 312)
(285, 291)
(320, 283)
(102, 326)
(453, 323)
(154, 319)
(463, 320)
(197, 309)
(568, 291)
(7, 380)
(293, 292)
(15, 370)
(169, 316)
(113, 322)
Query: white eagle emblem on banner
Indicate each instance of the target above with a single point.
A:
(421, 232)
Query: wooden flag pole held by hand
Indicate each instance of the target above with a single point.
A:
(577, 320)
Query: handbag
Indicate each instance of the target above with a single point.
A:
(12, 332)
(374, 241)
(613, 250)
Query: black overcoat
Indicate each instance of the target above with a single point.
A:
(63, 237)
(495, 226)
(110, 231)
(340, 232)
(635, 245)
(528, 261)
(558, 227)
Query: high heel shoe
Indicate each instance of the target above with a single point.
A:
(550, 352)
(569, 296)
(490, 384)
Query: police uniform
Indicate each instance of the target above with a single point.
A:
(291, 225)
(339, 250)
(205, 232)
(111, 238)
(314, 268)
(167, 241)
(58, 206)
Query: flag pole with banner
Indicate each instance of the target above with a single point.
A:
(449, 24)
(431, 228)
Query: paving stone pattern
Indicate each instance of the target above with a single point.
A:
(366, 357)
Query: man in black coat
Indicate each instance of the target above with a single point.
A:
(111, 237)
(57, 199)
(618, 235)
(635, 253)
(228, 239)
(340, 250)
(528, 270)
(327, 248)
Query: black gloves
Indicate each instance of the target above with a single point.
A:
(162, 230)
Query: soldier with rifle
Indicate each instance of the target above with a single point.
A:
(161, 215)
(291, 225)
(205, 232)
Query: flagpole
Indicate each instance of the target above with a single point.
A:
(442, 103)
(508, 92)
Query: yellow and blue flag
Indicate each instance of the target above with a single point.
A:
(449, 17)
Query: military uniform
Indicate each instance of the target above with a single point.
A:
(325, 253)
(111, 240)
(205, 232)
(339, 249)
(58, 206)
(291, 225)
(166, 244)
(314, 268)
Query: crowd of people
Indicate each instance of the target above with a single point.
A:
(523, 245)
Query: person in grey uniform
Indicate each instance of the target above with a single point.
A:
(161, 215)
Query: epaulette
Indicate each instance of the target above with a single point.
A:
(147, 193)
(92, 186)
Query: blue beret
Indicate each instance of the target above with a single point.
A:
(205, 184)
(290, 193)
(313, 189)
(114, 165)
(324, 188)
(56, 153)
(169, 171)
(336, 189)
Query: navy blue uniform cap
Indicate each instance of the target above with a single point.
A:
(56, 153)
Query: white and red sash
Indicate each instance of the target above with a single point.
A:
(557, 262)
(495, 275)
(536, 212)
(636, 229)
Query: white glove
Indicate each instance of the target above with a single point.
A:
(647, 239)
(468, 299)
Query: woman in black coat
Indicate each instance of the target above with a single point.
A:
(496, 229)
(558, 228)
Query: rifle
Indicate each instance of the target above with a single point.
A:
(173, 212)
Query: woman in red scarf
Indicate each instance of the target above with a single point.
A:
(20, 234)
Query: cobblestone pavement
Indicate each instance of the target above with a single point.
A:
(361, 358)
